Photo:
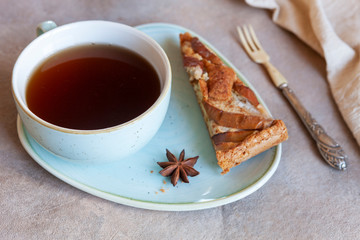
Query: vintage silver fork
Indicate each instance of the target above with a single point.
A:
(330, 150)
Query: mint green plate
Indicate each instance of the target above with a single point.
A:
(135, 181)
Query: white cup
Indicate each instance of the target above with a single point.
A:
(101, 145)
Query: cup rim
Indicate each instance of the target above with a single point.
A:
(165, 90)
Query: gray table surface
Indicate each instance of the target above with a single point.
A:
(305, 199)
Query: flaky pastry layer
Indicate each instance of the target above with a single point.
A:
(238, 124)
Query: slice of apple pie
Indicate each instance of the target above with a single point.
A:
(239, 126)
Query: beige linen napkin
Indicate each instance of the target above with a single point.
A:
(332, 28)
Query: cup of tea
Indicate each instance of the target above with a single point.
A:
(93, 91)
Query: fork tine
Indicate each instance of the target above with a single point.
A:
(253, 35)
(243, 41)
(248, 38)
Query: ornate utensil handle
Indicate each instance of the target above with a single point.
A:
(330, 150)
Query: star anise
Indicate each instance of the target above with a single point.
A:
(178, 168)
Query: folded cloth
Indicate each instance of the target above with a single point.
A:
(332, 28)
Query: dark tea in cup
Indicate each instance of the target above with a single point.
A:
(85, 92)
(92, 87)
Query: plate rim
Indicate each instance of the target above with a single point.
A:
(187, 206)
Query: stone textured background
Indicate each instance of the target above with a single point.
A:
(305, 199)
